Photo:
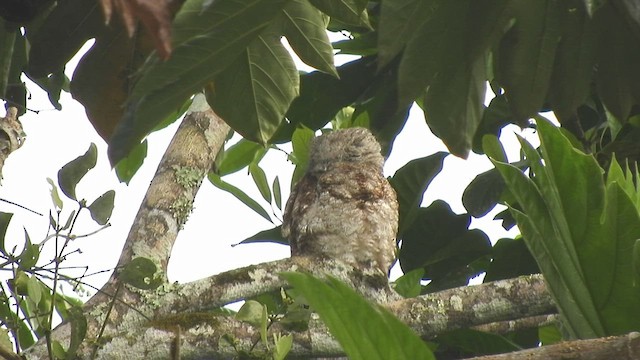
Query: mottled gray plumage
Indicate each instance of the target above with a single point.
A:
(343, 207)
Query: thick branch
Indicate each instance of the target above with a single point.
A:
(624, 347)
(170, 196)
(169, 199)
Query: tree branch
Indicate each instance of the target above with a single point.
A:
(624, 347)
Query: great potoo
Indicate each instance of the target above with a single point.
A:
(343, 207)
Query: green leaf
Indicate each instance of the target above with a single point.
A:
(208, 38)
(443, 35)
(483, 193)
(399, 20)
(55, 197)
(364, 330)
(30, 255)
(575, 60)
(5, 218)
(272, 235)
(58, 350)
(5, 341)
(617, 71)
(253, 94)
(129, 165)
(54, 84)
(251, 312)
(34, 291)
(636, 258)
(305, 29)
(69, 220)
(348, 11)
(277, 196)
(102, 207)
(63, 32)
(568, 290)
(71, 174)
(239, 194)
(408, 285)
(411, 181)
(510, 259)
(524, 61)
(239, 156)
(141, 273)
(477, 343)
(493, 148)
(363, 45)
(16, 93)
(283, 345)
(322, 95)
(494, 117)
(453, 105)
(260, 179)
(580, 230)
(301, 143)
(593, 5)
(440, 242)
(549, 335)
(103, 78)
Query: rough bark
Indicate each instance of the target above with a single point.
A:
(623, 347)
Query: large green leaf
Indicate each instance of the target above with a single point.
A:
(574, 61)
(546, 240)
(399, 20)
(348, 11)
(253, 94)
(322, 95)
(58, 39)
(364, 330)
(102, 79)
(207, 38)
(440, 242)
(524, 61)
(443, 35)
(238, 156)
(453, 105)
(305, 29)
(410, 182)
(581, 231)
(13, 55)
(510, 258)
(473, 342)
(618, 72)
(483, 193)
(378, 104)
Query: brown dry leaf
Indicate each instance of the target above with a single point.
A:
(155, 15)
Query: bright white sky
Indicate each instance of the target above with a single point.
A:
(219, 220)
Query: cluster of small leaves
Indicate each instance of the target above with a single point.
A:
(582, 228)
(267, 309)
(31, 295)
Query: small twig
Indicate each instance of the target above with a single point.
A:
(20, 206)
(106, 319)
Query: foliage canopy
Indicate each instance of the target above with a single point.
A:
(577, 207)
